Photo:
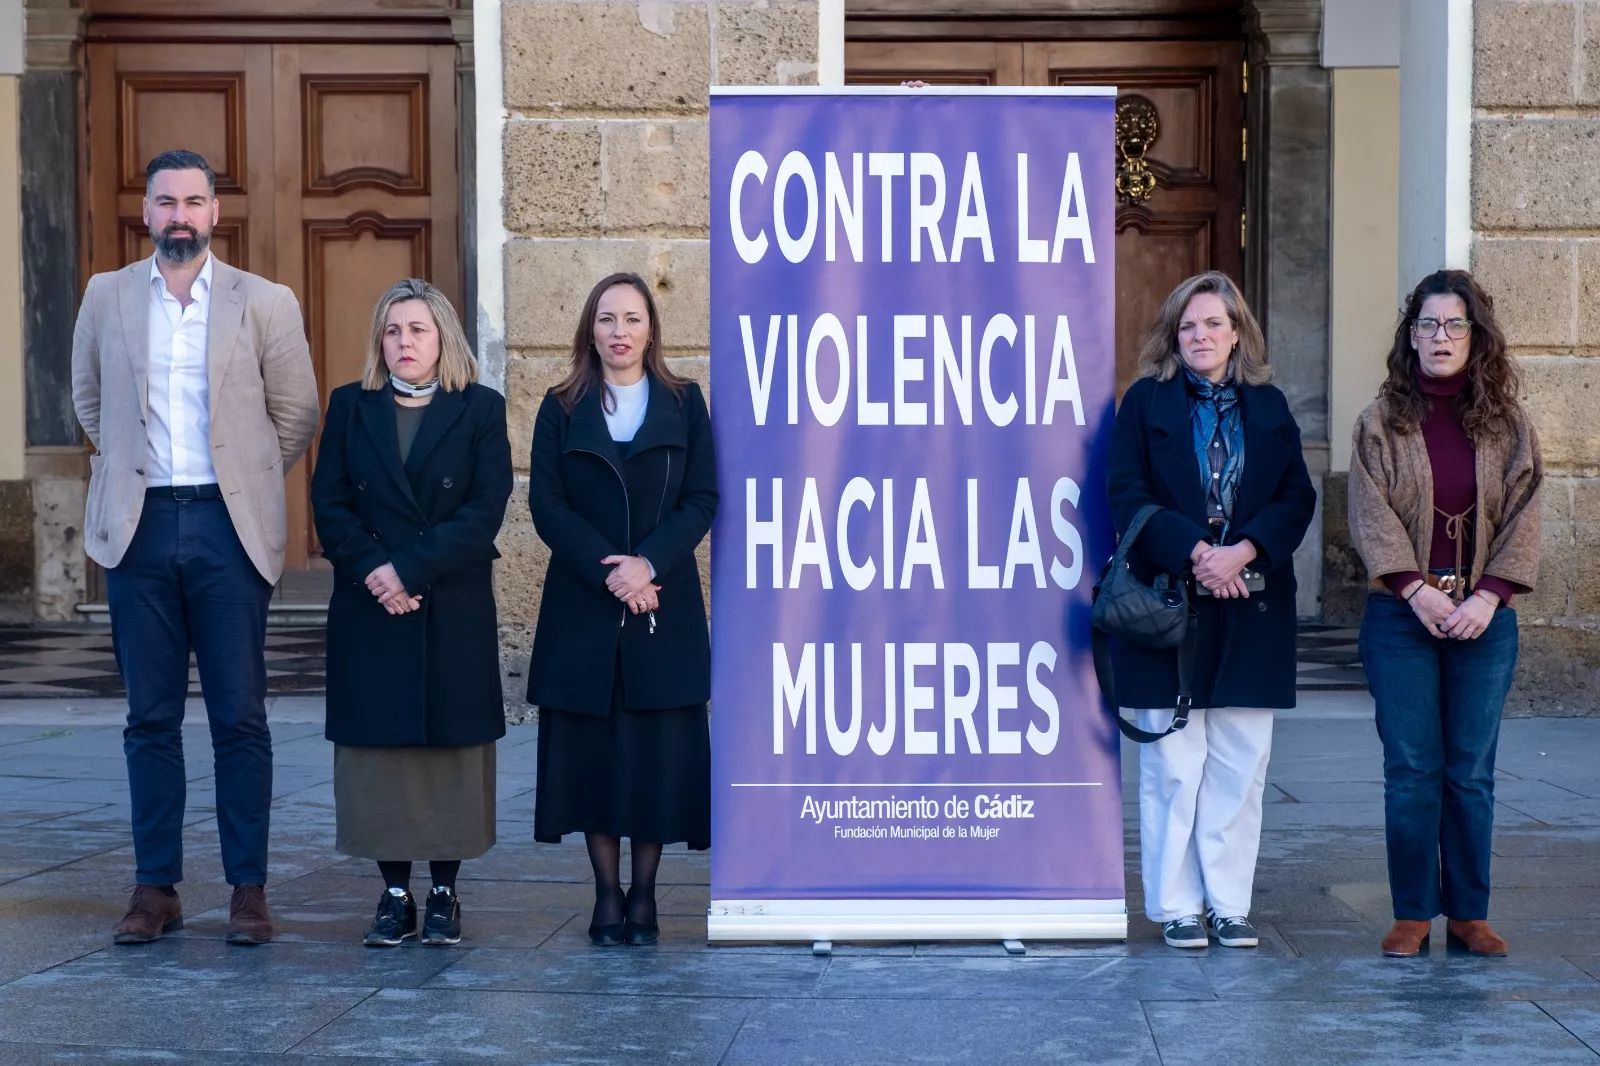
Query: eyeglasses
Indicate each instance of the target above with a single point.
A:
(1454, 328)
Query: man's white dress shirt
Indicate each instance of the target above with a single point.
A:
(180, 397)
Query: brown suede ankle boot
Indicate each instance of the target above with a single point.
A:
(1476, 936)
(1406, 938)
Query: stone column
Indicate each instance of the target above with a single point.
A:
(606, 168)
(16, 497)
(56, 462)
(1535, 245)
(1287, 247)
(1435, 138)
(467, 166)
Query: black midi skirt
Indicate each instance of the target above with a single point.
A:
(645, 775)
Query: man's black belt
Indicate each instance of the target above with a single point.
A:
(184, 492)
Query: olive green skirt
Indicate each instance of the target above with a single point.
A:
(422, 804)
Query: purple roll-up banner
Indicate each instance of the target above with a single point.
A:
(912, 315)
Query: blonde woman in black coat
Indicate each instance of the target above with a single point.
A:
(623, 487)
(412, 477)
(1205, 438)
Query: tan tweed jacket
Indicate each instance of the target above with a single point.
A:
(264, 405)
(1391, 501)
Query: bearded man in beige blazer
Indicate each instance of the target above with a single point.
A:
(194, 382)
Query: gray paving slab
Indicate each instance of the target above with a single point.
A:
(1574, 811)
(21, 762)
(1572, 840)
(120, 1012)
(1322, 844)
(1024, 978)
(533, 1027)
(10, 785)
(986, 1031)
(1362, 1033)
(25, 850)
(338, 924)
(210, 963)
(18, 810)
(1438, 975)
(639, 972)
(1581, 1019)
(1545, 871)
(14, 1054)
(36, 942)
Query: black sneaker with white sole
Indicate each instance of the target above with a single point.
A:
(1233, 932)
(441, 917)
(395, 921)
(1184, 933)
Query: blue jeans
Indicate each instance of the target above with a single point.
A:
(187, 582)
(1439, 703)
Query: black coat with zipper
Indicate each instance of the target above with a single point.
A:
(1245, 653)
(432, 676)
(589, 503)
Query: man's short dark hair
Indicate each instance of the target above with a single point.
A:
(179, 160)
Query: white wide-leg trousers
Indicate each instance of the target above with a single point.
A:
(1200, 810)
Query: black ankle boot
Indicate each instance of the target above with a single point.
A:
(609, 935)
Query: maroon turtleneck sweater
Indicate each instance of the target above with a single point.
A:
(1453, 461)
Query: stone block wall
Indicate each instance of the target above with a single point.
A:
(606, 163)
(1536, 221)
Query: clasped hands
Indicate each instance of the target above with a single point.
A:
(390, 591)
(630, 582)
(1442, 617)
(1218, 568)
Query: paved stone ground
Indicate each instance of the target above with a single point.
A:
(526, 987)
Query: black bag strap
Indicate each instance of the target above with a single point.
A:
(1101, 646)
(1125, 542)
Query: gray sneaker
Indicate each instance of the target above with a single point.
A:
(1232, 932)
(1184, 932)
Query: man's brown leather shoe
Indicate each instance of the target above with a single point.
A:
(1475, 936)
(1406, 938)
(151, 912)
(248, 919)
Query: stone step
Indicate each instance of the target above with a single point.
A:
(278, 614)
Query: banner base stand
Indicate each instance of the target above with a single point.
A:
(819, 921)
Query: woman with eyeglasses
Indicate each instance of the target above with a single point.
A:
(1444, 509)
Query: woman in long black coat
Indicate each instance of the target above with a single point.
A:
(412, 477)
(623, 487)
(1204, 437)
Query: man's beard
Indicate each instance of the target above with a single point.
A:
(181, 244)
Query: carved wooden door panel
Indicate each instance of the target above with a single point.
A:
(214, 99)
(365, 150)
(1192, 218)
(336, 168)
(935, 62)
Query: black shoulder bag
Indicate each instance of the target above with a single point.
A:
(1149, 616)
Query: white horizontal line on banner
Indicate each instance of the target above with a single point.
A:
(917, 784)
(927, 90)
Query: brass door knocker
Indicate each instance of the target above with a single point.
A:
(1138, 126)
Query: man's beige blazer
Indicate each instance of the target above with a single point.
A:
(264, 404)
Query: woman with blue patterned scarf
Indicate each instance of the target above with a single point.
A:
(1202, 436)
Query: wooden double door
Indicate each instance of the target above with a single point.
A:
(336, 168)
(1193, 219)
